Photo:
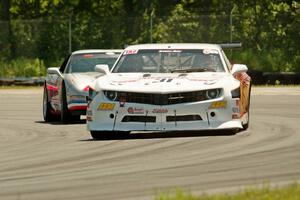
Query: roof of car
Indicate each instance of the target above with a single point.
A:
(174, 46)
(98, 51)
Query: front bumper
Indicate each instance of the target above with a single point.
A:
(144, 117)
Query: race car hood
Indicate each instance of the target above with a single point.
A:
(163, 82)
(80, 81)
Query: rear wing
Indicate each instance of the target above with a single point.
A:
(231, 45)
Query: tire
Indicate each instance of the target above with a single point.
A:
(75, 118)
(122, 134)
(65, 116)
(102, 135)
(48, 116)
(231, 131)
(246, 125)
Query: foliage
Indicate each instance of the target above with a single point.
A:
(269, 30)
(267, 61)
(22, 67)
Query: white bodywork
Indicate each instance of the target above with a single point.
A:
(222, 112)
(76, 83)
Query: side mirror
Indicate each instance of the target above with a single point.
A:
(104, 69)
(54, 70)
(238, 68)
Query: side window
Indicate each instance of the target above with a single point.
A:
(64, 64)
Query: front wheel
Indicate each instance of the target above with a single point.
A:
(64, 112)
(231, 131)
(246, 125)
(100, 135)
(47, 114)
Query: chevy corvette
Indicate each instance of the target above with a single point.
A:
(66, 88)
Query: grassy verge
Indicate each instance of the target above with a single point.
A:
(19, 87)
(290, 192)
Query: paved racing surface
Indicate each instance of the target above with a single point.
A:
(53, 161)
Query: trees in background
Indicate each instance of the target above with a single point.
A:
(268, 29)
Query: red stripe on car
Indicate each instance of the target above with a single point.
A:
(72, 108)
(51, 87)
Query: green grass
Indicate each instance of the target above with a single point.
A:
(4, 87)
(290, 192)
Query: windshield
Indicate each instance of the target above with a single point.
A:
(169, 61)
(87, 62)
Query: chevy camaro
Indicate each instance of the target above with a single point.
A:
(169, 87)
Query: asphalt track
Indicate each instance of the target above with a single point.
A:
(52, 161)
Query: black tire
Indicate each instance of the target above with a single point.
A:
(102, 135)
(75, 118)
(122, 134)
(231, 131)
(48, 116)
(65, 116)
(246, 126)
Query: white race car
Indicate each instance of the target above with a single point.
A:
(169, 87)
(66, 88)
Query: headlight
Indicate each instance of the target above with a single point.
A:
(111, 95)
(236, 93)
(212, 94)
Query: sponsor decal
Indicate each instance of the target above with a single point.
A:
(210, 51)
(89, 115)
(133, 110)
(88, 55)
(210, 82)
(106, 106)
(205, 82)
(130, 52)
(122, 101)
(160, 110)
(170, 51)
(125, 81)
(235, 110)
(237, 102)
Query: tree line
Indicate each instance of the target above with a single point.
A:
(47, 29)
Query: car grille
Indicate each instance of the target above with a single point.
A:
(183, 118)
(152, 119)
(137, 118)
(162, 99)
